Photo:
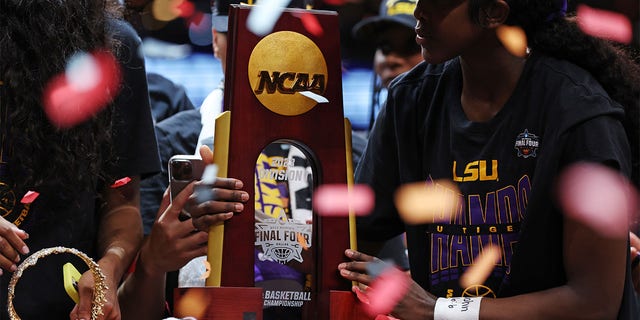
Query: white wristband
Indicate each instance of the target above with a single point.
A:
(458, 308)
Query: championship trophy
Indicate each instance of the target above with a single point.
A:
(283, 133)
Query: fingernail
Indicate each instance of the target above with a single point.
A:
(244, 197)
(17, 259)
(239, 207)
(25, 250)
(228, 215)
(13, 268)
(238, 184)
(342, 265)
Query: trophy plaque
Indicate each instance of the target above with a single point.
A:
(283, 133)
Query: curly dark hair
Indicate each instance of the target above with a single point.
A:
(549, 31)
(37, 38)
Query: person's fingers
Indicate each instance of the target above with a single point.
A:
(228, 183)
(85, 297)
(173, 210)
(358, 256)
(164, 203)
(204, 222)
(206, 154)
(11, 245)
(349, 274)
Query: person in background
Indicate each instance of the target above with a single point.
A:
(572, 97)
(73, 169)
(396, 49)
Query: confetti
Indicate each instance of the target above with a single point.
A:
(185, 9)
(68, 102)
(200, 29)
(604, 24)
(264, 15)
(207, 267)
(513, 39)
(313, 96)
(302, 241)
(29, 197)
(193, 303)
(121, 182)
(311, 23)
(362, 297)
(386, 291)
(482, 266)
(338, 200)
(422, 202)
(599, 197)
(166, 10)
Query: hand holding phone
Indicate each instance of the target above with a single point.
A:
(183, 169)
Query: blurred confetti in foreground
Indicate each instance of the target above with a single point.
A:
(194, 303)
(426, 202)
(513, 39)
(482, 266)
(89, 83)
(264, 15)
(599, 197)
(604, 24)
(339, 200)
(386, 290)
(311, 23)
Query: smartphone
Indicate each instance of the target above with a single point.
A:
(182, 170)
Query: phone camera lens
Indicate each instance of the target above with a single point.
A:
(181, 170)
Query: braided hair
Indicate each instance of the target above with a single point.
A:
(37, 38)
(555, 34)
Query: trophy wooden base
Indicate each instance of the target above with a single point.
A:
(208, 303)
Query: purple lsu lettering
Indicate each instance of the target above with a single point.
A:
(480, 224)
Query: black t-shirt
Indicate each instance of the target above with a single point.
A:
(504, 169)
(40, 292)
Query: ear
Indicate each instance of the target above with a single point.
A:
(494, 15)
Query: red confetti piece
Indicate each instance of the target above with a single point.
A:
(386, 291)
(335, 2)
(338, 200)
(599, 197)
(29, 197)
(66, 104)
(605, 24)
(362, 297)
(311, 23)
(185, 9)
(121, 182)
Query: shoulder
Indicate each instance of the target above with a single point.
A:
(123, 31)
(571, 90)
(423, 78)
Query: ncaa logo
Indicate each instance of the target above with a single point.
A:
(281, 66)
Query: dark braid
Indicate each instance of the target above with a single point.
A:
(611, 64)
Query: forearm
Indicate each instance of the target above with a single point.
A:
(120, 230)
(142, 294)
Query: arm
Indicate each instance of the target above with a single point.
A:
(119, 237)
(595, 280)
(170, 245)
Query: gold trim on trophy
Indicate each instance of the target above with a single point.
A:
(99, 279)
